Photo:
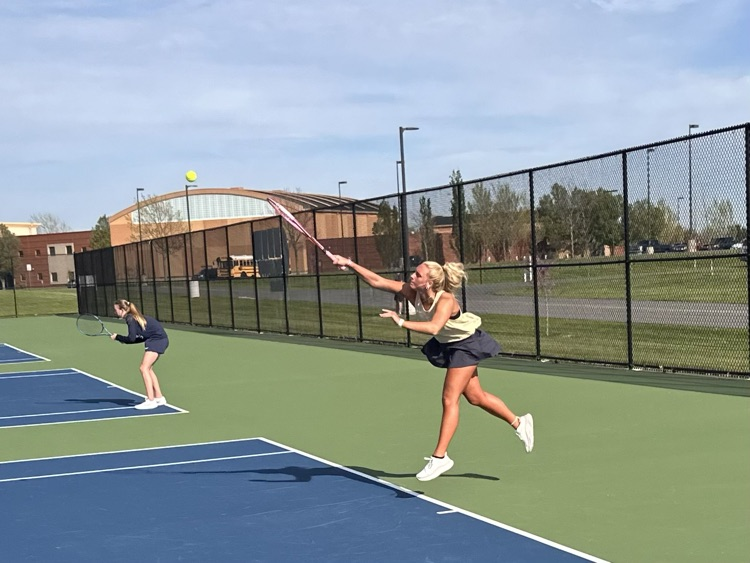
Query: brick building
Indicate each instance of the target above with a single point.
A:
(47, 260)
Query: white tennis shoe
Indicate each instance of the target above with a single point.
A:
(160, 401)
(525, 431)
(435, 467)
(147, 405)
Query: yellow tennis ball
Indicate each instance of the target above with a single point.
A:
(191, 176)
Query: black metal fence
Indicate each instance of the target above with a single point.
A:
(636, 258)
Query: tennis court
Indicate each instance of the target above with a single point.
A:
(657, 469)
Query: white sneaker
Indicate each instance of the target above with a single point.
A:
(525, 431)
(160, 401)
(435, 467)
(147, 405)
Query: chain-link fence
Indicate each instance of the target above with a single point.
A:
(635, 258)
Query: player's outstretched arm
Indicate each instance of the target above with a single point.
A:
(369, 277)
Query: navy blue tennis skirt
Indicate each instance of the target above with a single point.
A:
(467, 352)
(158, 345)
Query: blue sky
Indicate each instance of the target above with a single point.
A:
(101, 97)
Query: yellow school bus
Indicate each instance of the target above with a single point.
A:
(239, 266)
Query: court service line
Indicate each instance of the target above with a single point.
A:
(152, 448)
(149, 466)
(31, 374)
(64, 412)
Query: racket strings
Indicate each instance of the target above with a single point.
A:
(90, 325)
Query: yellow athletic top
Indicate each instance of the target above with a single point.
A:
(454, 330)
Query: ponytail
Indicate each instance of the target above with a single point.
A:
(131, 310)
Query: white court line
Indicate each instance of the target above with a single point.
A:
(447, 506)
(64, 412)
(73, 371)
(446, 512)
(30, 375)
(24, 352)
(149, 466)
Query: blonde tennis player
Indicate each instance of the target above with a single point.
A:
(457, 344)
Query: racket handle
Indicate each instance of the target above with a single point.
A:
(330, 255)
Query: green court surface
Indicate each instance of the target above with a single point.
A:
(627, 466)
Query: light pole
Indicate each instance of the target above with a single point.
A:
(403, 162)
(404, 226)
(398, 180)
(680, 199)
(140, 233)
(648, 190)
(690, 175)
(190, 176)
(341, 214)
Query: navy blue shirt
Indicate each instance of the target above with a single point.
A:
(153, 336)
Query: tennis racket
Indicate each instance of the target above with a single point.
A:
(292, 220)
(91, 325)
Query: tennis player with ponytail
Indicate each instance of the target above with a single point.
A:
(457, 344)
(145, 329)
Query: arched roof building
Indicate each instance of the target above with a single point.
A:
(205, 208)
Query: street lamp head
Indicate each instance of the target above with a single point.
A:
(342, 182)
(693, 126)
(650, 150)
(408, 128)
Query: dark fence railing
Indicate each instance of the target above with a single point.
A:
(635, 258)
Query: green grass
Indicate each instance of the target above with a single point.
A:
(709, 281)
(624, 472)
(38, 301)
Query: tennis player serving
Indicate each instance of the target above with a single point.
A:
(146, 330)
(457, 344)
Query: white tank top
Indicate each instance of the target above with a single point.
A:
(455, 329)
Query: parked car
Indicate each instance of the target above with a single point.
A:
(743, 256)
(678, 247)
(72, 284)
(720, 243)
(207, 273)
(642, 246)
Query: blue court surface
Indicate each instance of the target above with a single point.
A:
(241, 500)
(12, 355)
(65, 395)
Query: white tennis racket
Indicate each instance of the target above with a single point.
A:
(292, 220)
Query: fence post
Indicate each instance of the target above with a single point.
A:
(747, 225)
(626, 234)
(361, 332)
(534, 265)
(405, 252)
(317, 275)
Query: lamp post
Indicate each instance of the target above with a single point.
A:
(404, 226)
(690, 175)
(341, 214)
(140, 234)
(680, 199)
(398, 180)
(648, 190)
(403, 161)
(190, 176)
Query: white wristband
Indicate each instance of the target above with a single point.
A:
(400, 322)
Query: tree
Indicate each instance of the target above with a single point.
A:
(387, 232)
(719, 217)
(9, 245)
(509, 216)
(49, 223)
(157, 220)
(100, 234)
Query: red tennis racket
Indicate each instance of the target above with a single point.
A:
(292, 220)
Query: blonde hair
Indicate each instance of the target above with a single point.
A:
(131, 310)
(447, 277)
